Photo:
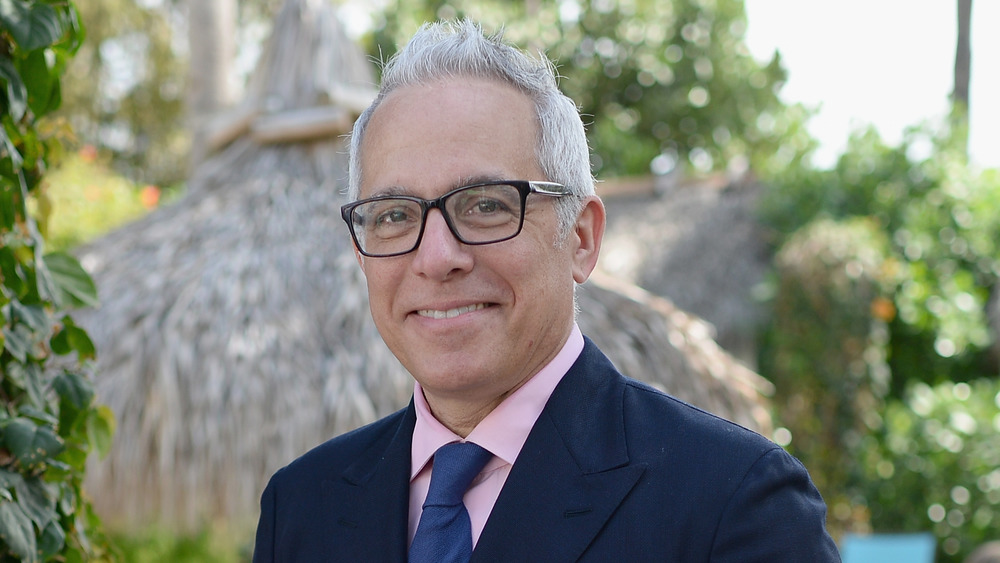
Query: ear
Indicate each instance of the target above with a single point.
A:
(360, 258)
(587, 236)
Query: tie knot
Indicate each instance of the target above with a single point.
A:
(455, 466)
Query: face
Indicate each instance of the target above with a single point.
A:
(470, 323)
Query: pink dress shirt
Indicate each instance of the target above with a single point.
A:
(502, 432)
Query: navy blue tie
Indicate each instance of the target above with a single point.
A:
(444, 533)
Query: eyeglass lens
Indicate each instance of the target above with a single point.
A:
(476, 215)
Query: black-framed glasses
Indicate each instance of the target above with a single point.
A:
(483, 213)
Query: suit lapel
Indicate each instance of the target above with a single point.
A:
(372, 496)
(571, 474)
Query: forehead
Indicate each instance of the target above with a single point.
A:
(447, 131)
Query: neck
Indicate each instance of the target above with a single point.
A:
(462, 411)
(459, 415)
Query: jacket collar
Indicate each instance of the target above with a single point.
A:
(571, 474)
(372, 498)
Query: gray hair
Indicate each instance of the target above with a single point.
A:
(461, 49)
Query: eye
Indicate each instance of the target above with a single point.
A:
(482, 201)
(486, 205)
(392, 216)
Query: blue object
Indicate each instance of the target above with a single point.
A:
(888, 548)
(444, 533)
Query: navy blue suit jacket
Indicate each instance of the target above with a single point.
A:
(613, 470)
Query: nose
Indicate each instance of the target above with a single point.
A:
(440, 255)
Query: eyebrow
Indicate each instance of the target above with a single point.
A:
(479, 179)
(390, 191)
(464, 181)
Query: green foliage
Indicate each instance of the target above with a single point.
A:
(937, 243)
(48, 420)
(124, 92)
(84, 198)
(210, 544)
(935, 464)
(825, 351)
(668, 84)
(939, 216)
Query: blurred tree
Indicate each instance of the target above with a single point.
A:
(84, 198)
(935, 464)
(838, 349)
(212, 41)
(938, 215)
(668, 84)
(825, 351)
(963, 65)
(963, 54)
(125, 92)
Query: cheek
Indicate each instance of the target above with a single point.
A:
(380, 290)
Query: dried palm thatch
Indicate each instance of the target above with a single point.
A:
(649, 338)
(697, 243)
(234, 332)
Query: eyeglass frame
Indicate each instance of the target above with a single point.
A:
(524, 188)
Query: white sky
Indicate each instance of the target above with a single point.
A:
(888, 63)
(882, 62)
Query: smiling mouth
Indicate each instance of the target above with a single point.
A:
(450, 313)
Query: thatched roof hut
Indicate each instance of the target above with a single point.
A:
(696, 242)
(234, 330)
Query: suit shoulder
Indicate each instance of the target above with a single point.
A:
(683, 423)
(342, 450)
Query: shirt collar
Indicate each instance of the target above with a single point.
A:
(503, 431)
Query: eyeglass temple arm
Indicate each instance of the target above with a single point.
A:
(548, 188)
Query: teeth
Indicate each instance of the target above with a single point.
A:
(450, 313)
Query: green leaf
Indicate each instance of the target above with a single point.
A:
(76, 458)
(17, 99)
(42, 84)
(17, 341)
(38, 414)
(101, 429)
(28, 326)
(29, 442)
(74, 389)
(9, 480)
(10, 270)
(73, 554)
(45, 283)
(28, 376)
(17, 532)
(51, 540)
(73, 283)
(75, 395)
(33, 317)
(75, 31)
(37, 501)
(67, 499)
(32, 24)
(73, 339)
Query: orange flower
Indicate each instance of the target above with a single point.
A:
(883, 309)
(88, 153)
(150, 196)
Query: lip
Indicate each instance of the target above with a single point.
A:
(451, 312)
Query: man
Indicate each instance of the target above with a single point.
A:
(474, 217)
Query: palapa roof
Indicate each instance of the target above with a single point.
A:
(698, 243)
(234, 331)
